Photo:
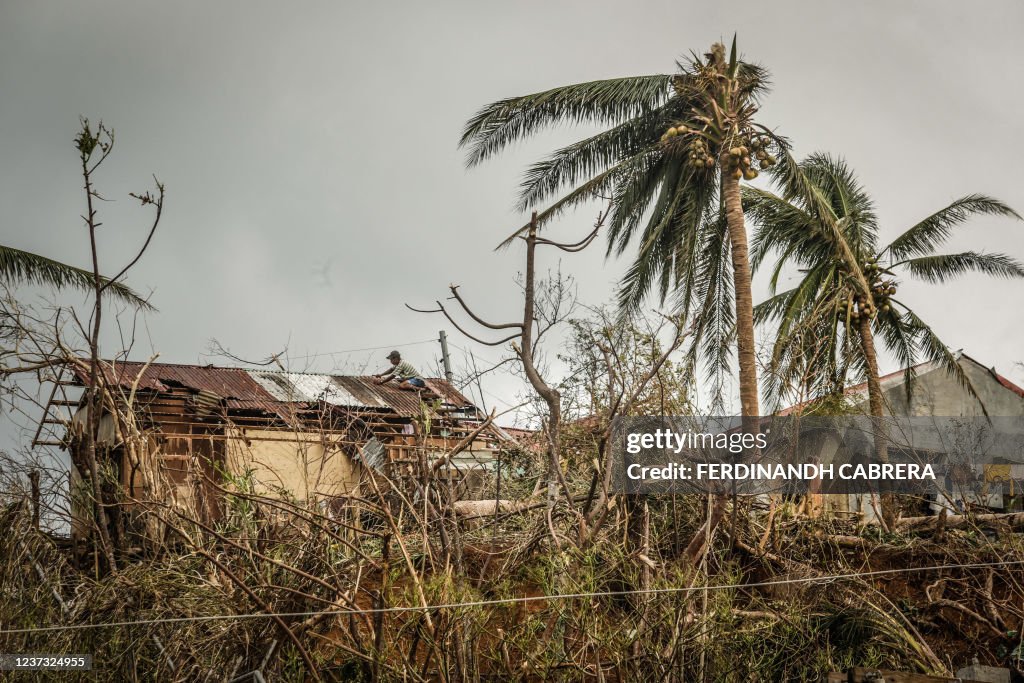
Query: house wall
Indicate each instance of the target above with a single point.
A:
(179, 462)
(177, 465)
(296, 462)
(937, 393)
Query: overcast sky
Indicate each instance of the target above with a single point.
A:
(314, 183)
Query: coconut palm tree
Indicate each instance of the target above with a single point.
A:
(671, 156)
(847, 298)
(17, 266)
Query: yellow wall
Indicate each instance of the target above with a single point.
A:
(296, 462)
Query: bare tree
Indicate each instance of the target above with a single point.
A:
(94, 147)
(523, 338)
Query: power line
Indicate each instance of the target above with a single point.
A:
(480, 374)
(368, 348)
(525, 599)
(477, 353)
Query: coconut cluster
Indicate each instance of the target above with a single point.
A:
(739, 160)
(882, 290)
(700, 155)
(673, 132)
(856, 307)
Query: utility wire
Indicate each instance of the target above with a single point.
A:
(367, 348)
(290, 357)
(525, 599)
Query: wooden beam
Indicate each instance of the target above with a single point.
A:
(1013, 519)
(866, 675)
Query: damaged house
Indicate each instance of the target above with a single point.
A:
(931, 392)
(182, 434)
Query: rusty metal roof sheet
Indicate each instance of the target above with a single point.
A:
(272, 392)
(225, 382)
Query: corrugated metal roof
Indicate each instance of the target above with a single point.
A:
(1008, 384)
(225, 382)
(271, 392)
(294, 386)
(373, 454)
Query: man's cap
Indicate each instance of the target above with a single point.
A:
(394, 354)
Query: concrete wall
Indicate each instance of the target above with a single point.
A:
(177, 464)
(295, 462)
(939, 394)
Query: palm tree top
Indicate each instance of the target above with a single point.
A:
(630, 160)
(831, 232)
(668, 163)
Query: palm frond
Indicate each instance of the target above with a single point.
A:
(925, 237)
(773, 307)
(848, 200)
(610, 101)
(660, 239)
(900, 335)
(805, 357)
(715, 321)
(691, 227)
(591, 189)
(945, 267)
(936, 351)
(781, 225)
(586, 158)
(632, 197)
(754, 80)
(799, 188)
(807, 300)
(17, 266)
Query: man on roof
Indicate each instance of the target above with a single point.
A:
(407, 376)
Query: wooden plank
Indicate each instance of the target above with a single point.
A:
(866, 675)
(33, 478)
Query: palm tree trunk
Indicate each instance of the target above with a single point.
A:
(749, 407)
(867, 341)
(744, 298)
(877, 409)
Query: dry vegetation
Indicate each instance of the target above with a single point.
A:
(759, 606)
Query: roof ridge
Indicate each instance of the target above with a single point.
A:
(208, 366)
(325, 374)
(861, 386)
